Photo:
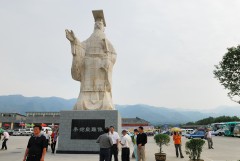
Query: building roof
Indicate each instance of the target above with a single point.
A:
(136, 120)
(11, 113)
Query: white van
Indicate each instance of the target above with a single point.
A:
(189, 131)
(28, 132)
(47, 128)
(18, 132)
(183, 132)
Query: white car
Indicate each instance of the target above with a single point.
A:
(18, 132)
(219, 132)
(28, 132)
(47, 128)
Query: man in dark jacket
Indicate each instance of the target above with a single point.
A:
(141, 141)
(37, 145)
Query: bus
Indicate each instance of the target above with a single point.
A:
(229, 131)
(236, 131)
(218, 129)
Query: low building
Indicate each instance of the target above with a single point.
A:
(11, 120)
(48, 118)
(53, 118)
(133, 123)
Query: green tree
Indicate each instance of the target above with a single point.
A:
(228, 73)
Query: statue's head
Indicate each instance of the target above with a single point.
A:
(99, 20)
(99, 25)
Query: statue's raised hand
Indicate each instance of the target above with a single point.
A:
(70, 35)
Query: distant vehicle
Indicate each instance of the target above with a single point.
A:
(167, 132)
(196, 134)
(28, 132)
(217, 126)
(183, 132)
(187, 131)
(10, 132)
(18, 132)
(47, 128)
(149, 133)
(229, 128)
(236, 131)
(219, 132)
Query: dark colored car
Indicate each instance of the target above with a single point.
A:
(10, 132)
(167, 132)
(196, 134)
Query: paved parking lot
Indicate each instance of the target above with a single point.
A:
(225, 149)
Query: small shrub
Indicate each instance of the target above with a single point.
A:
(162, 139)
(194, 148)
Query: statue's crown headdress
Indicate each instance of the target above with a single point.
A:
(98, 15)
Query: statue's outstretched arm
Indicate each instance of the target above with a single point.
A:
(73, 40)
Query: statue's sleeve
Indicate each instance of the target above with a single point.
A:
(112, 52)
(78, 51)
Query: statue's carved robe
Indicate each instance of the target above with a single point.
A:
(92, 65)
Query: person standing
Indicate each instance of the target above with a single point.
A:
(115, 139)
(54, 140)
(36, 148)
(135, 144)
(209, 139)
(47, 135)
(125, 142)
(105, 142)
(5, 139)
(178, 143)
(141, 142)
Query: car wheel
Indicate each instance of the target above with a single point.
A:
(220, 134)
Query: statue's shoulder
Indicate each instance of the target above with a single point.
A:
(110, 47)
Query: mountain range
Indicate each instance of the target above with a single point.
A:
(155, 115)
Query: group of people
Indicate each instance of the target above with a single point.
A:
(38, 144)
(177, 138)
(109, 144)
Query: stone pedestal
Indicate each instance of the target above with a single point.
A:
(80, 129)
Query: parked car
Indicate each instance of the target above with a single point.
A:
(10, 132)
(196, 134)
(18, 132)
(167, 132)
(28, 132)
(219, 132)
(47, 128)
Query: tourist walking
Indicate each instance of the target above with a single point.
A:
(5, 139)
(54, 140)
(105, 143)
(141, 141)
(177, 138)
(209, 139)
(47, 135)
(135, 147)
(115, 139)
(125, 142)
(36, 148)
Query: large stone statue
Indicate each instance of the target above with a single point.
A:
(92, 65)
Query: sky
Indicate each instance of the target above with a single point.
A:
(166, 50)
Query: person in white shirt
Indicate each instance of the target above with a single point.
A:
(5, 139)
(209, 139)
(48, 138)
(125, 142)
(115, 139)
